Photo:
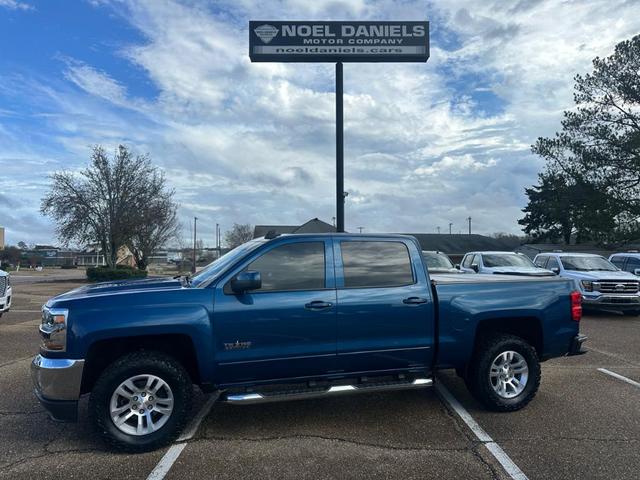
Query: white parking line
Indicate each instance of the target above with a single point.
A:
(169, 458)
(165, 463)
(619, 377)
(496, 450)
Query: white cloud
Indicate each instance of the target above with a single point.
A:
(15, 5)
(454, 166)
(245, 142)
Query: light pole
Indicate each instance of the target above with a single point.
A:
(218, 238)
(469, 220)
(450, 225)
(195, 223)
(360, 229)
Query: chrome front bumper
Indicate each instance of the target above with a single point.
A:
(612, 301)
(5, 301)
(57, 384)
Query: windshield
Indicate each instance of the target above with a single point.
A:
(584, 264)
(506, 260)
(214, 268)
(437, 260)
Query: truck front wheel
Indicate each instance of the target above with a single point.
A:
(141, 401)
(504, 374)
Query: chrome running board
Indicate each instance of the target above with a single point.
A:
(255, 397)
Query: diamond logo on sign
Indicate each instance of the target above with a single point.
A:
(266, 32)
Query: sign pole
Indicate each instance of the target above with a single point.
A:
(339, 151)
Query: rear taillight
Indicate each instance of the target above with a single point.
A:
(576, 306)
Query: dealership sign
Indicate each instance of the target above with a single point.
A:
(276, 41)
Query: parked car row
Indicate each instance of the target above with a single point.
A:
(611, 284)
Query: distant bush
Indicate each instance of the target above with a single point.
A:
(121, 272)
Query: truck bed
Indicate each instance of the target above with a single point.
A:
(466, 301)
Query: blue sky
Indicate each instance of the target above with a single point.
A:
(425, 144)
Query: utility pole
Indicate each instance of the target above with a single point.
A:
(469, 219)
(450, 225)
(438, 230)
(195, 222)
(360, 229)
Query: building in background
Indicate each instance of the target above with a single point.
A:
(312, 226)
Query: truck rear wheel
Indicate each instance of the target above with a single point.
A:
(504, 374)
(141, 401)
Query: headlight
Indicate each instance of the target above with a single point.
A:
(54, 329)
(587, 285)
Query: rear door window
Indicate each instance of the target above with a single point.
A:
(376, 264)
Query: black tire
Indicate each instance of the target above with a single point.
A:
(478, 380)
(141, 363)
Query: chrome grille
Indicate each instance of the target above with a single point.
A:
(3, 285)
(614, 286)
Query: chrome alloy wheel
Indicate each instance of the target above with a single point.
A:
(141, 405)
(509, 374)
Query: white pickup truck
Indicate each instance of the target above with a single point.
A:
(5, 292)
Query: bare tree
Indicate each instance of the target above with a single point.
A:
(157, 222)
(239, 234)
(114, 202)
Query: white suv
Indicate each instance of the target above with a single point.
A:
(5, 292)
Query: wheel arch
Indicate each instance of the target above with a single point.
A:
(527, 328)
(104, 352)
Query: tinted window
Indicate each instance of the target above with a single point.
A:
(632, 264)
(376, 264)
(618, 261)
(295, 266)
(541, 261)
(553, 263)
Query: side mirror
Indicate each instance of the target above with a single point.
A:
(636, 271)
(556, 270)
(457, 265)
(475, 268)
(245, 281)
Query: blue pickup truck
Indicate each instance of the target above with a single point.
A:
(293, 317)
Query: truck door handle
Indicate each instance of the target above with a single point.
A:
(414, 300)
(317, 305)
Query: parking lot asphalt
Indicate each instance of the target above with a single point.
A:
(583, 423)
